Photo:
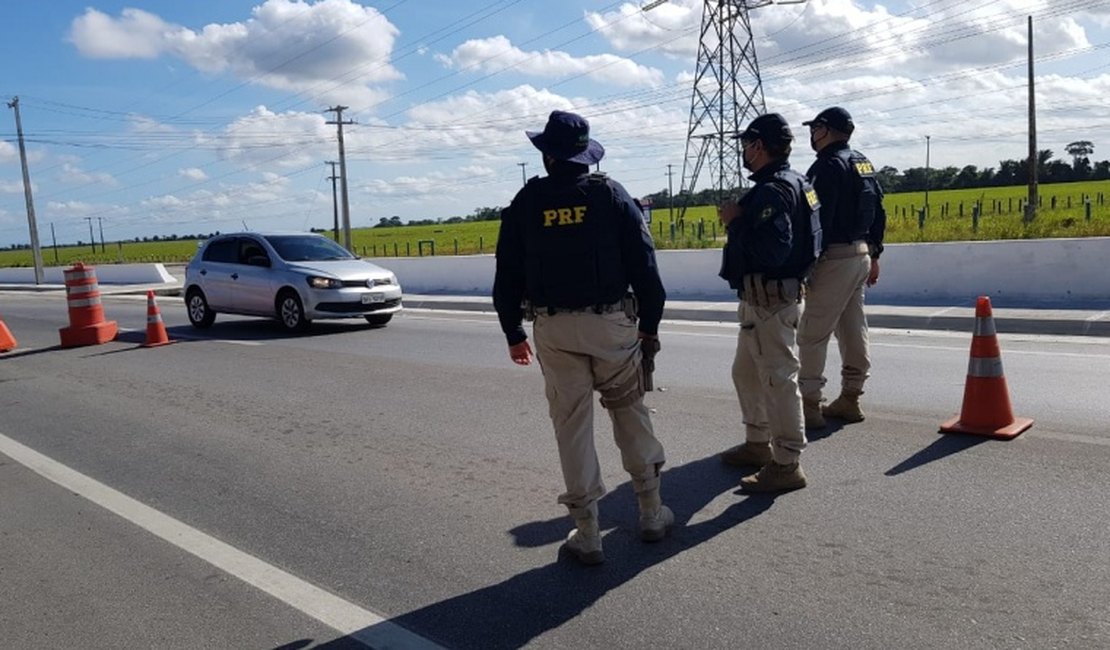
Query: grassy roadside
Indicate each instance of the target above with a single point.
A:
(951, 217)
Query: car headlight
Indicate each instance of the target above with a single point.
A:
(317, 282)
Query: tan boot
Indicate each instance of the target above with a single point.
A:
(655, 518)
(811, 410)
(846, 407)
(584, 542)
(775, 477)
(748, 454)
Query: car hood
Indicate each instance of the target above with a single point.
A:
(342, 269)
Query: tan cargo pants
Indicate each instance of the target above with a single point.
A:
(581, 352)
(765, 373)
(834, 305)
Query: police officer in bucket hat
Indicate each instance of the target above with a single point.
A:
(774, 235)
(571, 245)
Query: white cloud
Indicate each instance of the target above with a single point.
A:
(497, 53)
(73, 174)
(63, 209)
(136, 34)
(13, 187)
(267, 139)
(8, 152)
(671, 28)
(193, 174)
(329, 49)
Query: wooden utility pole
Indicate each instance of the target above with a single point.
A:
(334, 200)
(338, 110)
(36, 252)
(1031, 203)
(92, 237)
(670, 192)
(100, 223)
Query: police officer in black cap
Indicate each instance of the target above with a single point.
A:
(571, 245)
(854, 224)
(774, 234)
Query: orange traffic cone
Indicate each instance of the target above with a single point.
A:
(155, 328)
(7, 341)
(986, 410)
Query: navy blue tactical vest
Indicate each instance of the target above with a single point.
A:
(856, 223)
(805, 224)
(572, 234)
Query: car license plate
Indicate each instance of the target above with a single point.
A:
(370, 298)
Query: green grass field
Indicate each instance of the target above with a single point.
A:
(1062, 213)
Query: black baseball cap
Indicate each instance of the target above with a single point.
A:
(770, 127)
(836, 118)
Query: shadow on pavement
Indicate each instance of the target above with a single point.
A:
(511, 613)
(942, 447)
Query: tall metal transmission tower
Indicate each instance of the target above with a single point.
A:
(728, 92)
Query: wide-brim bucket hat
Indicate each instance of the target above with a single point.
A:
(567, 137)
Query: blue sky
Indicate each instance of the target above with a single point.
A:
(158, 118)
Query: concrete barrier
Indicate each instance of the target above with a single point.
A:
(105, 274)
(1039, 273)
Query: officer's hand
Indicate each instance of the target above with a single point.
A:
(521, 353)
(649, 343)
(728, 210)
(873, 276)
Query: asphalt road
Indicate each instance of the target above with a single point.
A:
(359, 479)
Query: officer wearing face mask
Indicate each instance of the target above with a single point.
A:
(774, 235)
(854, 222)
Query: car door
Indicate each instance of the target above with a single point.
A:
(219, 262)
(254, 284)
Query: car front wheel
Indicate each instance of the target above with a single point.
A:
(378, 319)
(290, 311)
(200, 314)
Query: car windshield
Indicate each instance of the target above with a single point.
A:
(307, 248)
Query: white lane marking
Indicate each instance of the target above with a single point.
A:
(228, 341)
(331, 610)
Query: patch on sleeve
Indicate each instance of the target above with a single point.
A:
(811, 198)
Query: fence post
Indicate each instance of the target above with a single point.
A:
(921, 219)
(408, 249)
(1088, 209)
(456, 246)
(395, 250)
(961, 209)
(481, 244)
(975, 218)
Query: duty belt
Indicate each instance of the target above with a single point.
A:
(597, 309)
(772, 292)
(846, 251)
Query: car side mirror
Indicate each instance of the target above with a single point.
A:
(258, 260)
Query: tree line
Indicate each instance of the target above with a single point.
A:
(918, 179)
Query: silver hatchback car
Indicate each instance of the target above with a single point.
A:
(294, 277)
